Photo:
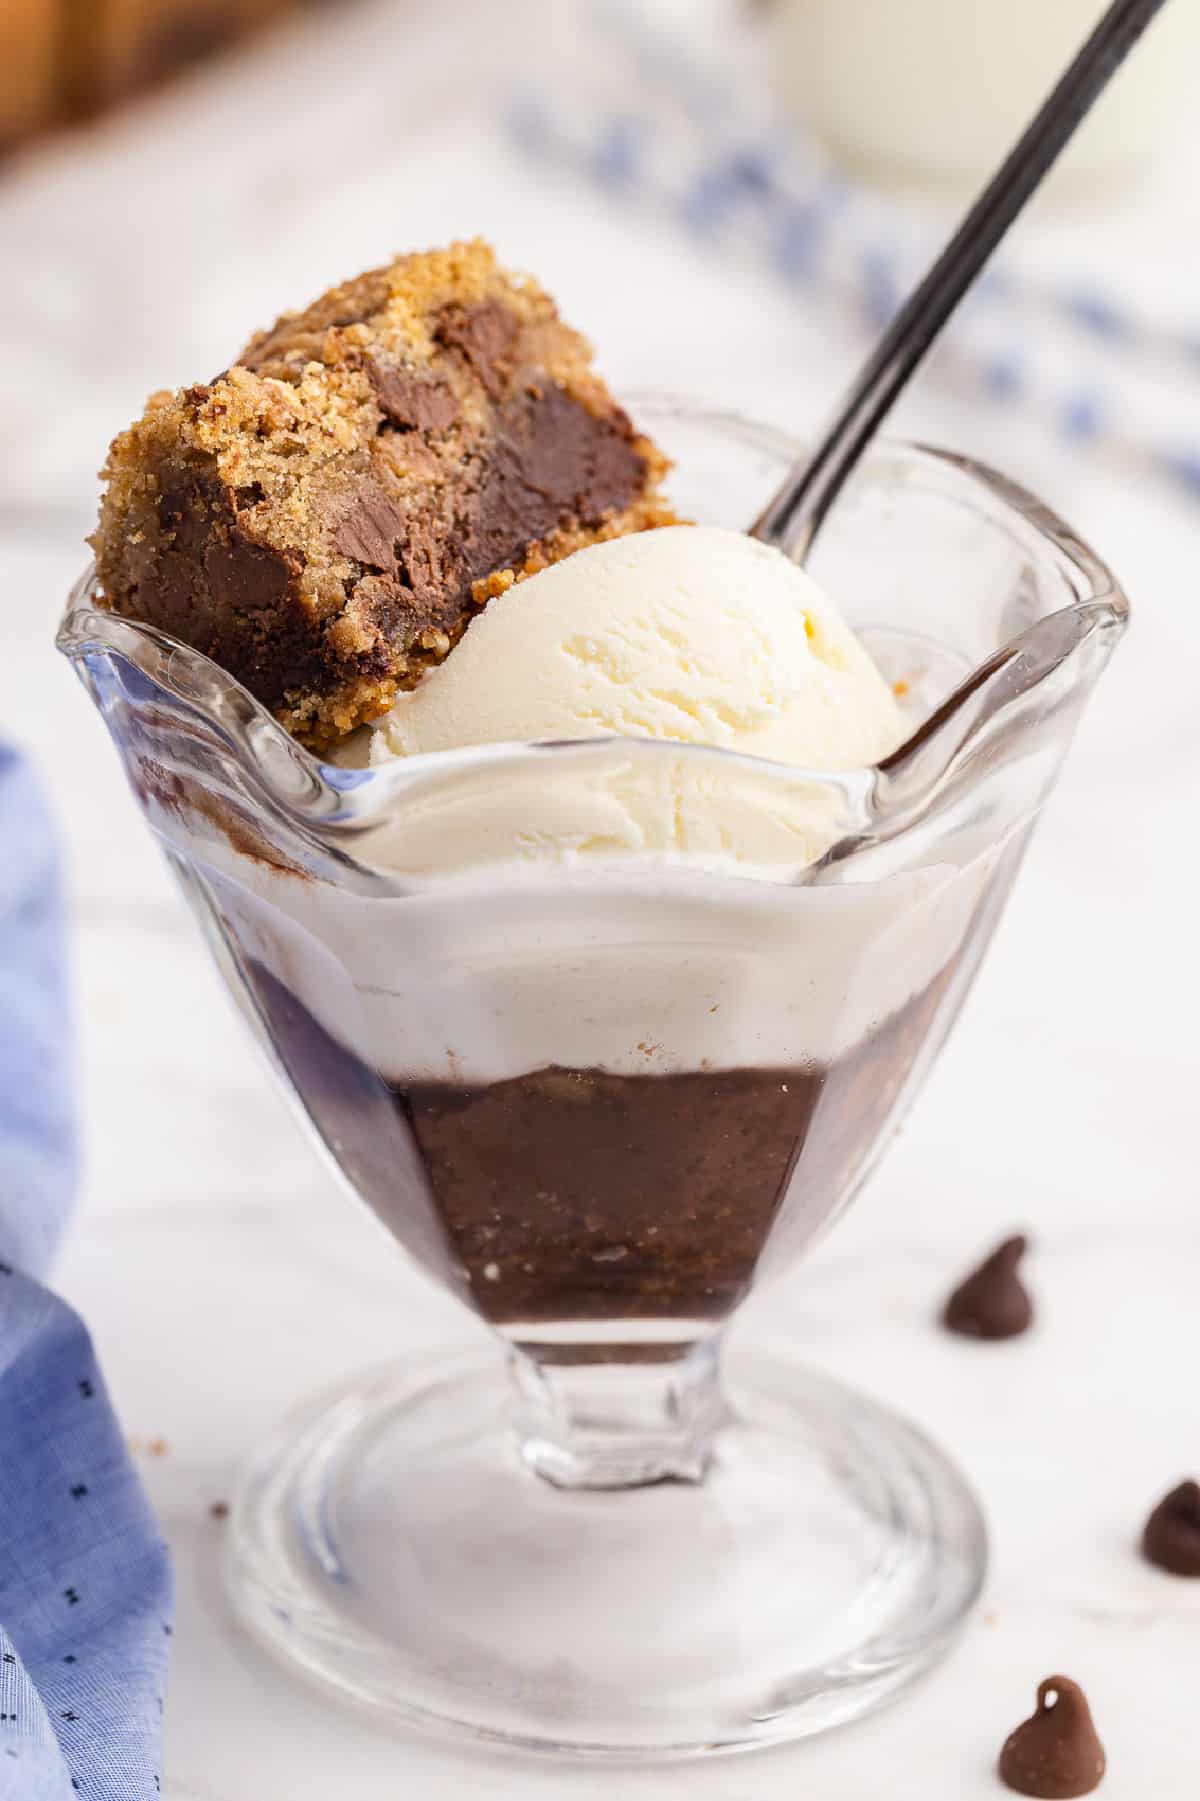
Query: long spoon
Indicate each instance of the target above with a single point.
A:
(792, 519)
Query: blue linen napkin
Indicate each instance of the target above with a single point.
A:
(85, 1585)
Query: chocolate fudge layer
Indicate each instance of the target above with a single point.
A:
(324, 518)
(571, 1194)
(579, 1195)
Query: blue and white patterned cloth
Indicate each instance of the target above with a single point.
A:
(682, 125)
(85, 1585)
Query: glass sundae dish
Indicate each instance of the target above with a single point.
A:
(606, 1032)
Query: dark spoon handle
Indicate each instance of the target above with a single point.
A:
(794, 517)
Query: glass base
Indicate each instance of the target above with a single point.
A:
(391, 1543)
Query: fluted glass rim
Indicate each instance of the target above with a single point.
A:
(334, 804)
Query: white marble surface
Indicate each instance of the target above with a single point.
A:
(225, 1277)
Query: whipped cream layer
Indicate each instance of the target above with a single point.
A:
(642, 974)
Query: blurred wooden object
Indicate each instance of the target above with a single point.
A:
(66, 59)
(29, 67)
(124, 45)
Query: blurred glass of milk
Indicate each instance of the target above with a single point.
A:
(932, 93)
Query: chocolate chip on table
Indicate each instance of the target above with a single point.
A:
(1055, 1753)
(992, 1302)
(1171, 1538)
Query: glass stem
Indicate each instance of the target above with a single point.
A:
(588, 1418)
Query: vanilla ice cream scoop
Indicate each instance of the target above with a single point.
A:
(688, 633)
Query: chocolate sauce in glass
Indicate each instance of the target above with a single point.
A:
(569, 1194)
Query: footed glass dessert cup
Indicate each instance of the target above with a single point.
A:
(606, 1033)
